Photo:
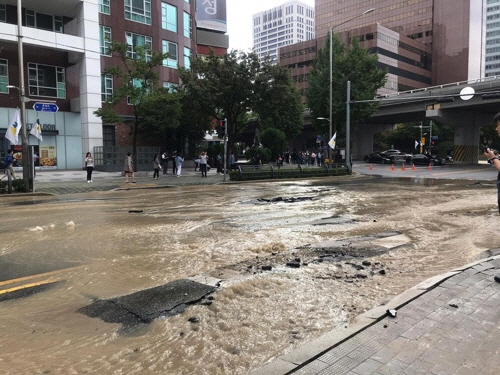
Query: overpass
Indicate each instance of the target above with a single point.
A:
(443, 104)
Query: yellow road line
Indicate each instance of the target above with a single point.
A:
(26, 286)
(40, 275)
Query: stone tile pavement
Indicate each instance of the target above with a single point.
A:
(452, 327)
(75, 181)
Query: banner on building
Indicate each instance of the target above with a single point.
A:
(211, 15)
(48, 156)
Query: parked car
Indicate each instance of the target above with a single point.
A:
(397, 156)
(377, 157)
(424, 159)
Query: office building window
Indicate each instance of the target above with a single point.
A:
(3, 13)
(46, 80)
(106, 87)
(172, 61)
(4, 76)
(188, 26)
(104, 6)
(108, 135)
(137, 40)
(105, 40)
(172, 87)
(169, 17)
(44, 21)
(138, 11)
(187, 58)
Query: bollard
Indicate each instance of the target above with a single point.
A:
(413, 167)
(430, 166)
(392, 168)
(403, 167)
(371, 167)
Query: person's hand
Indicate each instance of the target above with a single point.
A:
(489, 153)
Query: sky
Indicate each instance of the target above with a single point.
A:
(239, 20)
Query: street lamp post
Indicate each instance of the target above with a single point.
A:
(331, 70)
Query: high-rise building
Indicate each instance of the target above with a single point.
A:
(286, 24)
(456, 34)
(492, 67)
(66, 49)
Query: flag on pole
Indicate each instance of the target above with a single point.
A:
(36, 130)
(416, 144)
(331, 143)
(12, 132)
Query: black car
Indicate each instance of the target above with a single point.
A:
(424, 159)
(377, 157)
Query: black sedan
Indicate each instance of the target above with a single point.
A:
(423, 159)
(377, 158)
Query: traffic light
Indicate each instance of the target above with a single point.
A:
(221, 129)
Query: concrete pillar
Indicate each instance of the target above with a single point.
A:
(362, 139)
(467, 126)
(90, 76)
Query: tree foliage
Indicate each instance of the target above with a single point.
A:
(274, 140)
(232, 85)
(353, 64)
(279, 106)
(154, 108)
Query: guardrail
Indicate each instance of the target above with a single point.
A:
(9, 179)
(424, 89)
(269, 171)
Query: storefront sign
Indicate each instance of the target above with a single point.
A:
(45, 127)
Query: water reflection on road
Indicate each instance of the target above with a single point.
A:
(103, 250)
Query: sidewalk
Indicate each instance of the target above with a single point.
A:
(75, 181)
(449, 324)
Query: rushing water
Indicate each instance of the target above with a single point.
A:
(101, 250)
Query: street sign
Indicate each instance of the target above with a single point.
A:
(45, 107)
(422, 141)
(434, 137)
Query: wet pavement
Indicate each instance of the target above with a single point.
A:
(449, 324)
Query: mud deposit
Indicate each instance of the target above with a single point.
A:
(293, 261)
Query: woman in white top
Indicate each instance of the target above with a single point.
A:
(89, 164)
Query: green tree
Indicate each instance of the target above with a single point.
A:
(154, 109)
(353, 64)
(274, 140)
(231, 86)
(279, 106)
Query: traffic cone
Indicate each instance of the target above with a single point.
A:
(413, 167)
(392, 168)
(371, 167)
(403, 167)
(430, 166)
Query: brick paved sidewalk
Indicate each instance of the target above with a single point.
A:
(454, 328)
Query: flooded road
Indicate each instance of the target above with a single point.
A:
(109, 244)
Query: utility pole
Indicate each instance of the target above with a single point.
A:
(22, 100)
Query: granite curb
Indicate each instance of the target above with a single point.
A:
(309, 352)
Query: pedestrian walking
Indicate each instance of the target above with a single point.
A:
(156, 167)
(174, 167)
(129, 168)
(203, 164)
(89, 165)
(8, 163)
(219, 163)
(164, 160)
(232, 161)
(494, 160)
(178, 163)
(197, 163)
(36, 162)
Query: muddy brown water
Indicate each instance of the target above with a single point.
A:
(102, 251)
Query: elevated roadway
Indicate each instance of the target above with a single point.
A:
(443, 104)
